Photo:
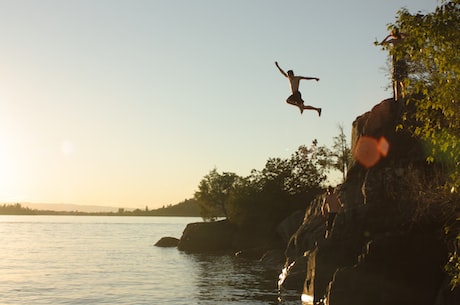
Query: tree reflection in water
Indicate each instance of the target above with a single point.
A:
(228, 280)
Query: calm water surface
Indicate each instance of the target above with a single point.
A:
(112, 260)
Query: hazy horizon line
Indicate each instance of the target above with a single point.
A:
(69, 207)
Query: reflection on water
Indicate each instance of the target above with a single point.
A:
(231, 280)
(111, 260)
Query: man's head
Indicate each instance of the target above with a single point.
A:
(395, 32)
(290, 73)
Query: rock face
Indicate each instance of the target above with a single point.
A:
(207, 237)
(377, 253)
(223, 236)
(395, 269)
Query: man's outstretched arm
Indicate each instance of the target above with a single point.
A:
(309, 78)
(387, 39)
(281, 70)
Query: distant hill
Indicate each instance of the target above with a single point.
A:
(188, 207)
(69, 207)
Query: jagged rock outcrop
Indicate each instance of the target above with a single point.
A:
(381, 250)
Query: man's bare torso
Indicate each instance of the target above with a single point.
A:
(294, 83)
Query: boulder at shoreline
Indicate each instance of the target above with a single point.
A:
(167, 242)
(207, 237)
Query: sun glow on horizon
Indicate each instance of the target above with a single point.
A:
(68, 147)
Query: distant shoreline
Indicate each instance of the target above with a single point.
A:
(187, 208)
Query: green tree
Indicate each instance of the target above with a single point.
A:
(213, 194)
(303, 171)
(341, 152)
(274, 175)
(308, 168)
(246, 202)
(431, 48)
(267, 196)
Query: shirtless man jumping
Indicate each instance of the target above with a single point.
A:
(296, 98)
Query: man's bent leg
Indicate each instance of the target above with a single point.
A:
(312, 108)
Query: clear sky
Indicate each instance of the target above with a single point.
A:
(131, 103)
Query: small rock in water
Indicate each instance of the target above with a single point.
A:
(167, 242)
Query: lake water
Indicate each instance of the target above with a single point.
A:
(112, 260)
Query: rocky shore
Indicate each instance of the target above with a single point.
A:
(387, 246)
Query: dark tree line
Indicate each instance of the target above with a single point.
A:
(266, 196)
(188, 208)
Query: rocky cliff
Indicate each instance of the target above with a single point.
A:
(387, 245)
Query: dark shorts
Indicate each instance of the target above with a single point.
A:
(296, 98)
(330, 220)
(399, 70)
